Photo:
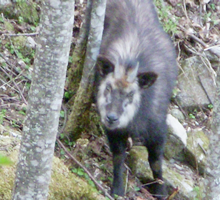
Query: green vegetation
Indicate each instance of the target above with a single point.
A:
(4, 160)
(62, 114)
(18, 47)
(64, 184)
(191, 116)
(80, 172)
(23, 11)
(164, 14)
(210, 106)
(198, 193)
(2, 115)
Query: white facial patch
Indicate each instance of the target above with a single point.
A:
(102, 101)
(129, 107)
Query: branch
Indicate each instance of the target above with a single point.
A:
(89, 174)
(21, 34)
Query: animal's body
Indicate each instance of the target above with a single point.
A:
(136, 72)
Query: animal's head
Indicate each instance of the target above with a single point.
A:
(119, 94)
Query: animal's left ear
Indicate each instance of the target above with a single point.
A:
(146, 79)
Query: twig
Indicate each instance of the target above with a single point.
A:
(198, 40)
(153, 182)
(192, 36)
(15, 85)
(126, 182)
(14, 67)
(89, 174)
(174, 193)
(21, 34)
(204, 151)
(207, 95)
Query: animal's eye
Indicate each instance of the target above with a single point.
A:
(130, 95)
(108, 88)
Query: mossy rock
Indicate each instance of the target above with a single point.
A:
(64, 184)
(197, 146)
(23, 11)
(138, 163)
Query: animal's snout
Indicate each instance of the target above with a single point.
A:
(112, 118)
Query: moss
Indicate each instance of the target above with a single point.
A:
(197, 143)
(64, 184)
(8, 26)
(23, 11)
(28, 11)
(138, 162)
(7, 177)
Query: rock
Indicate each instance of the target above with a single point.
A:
(7, 131)
(177, 114)
(63, 185)
(31, 43)
(196, 83)
(195, 153)
(4, 2)
(176, 138)
(175, 175)
(138, 163)
(28, 10)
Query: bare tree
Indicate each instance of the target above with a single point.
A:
(82, 102)
(45, 97)
(212, 181)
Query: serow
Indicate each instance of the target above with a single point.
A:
(136, 71)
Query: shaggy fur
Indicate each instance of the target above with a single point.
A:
(136, 72)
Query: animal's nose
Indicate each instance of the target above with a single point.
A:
(112, 117)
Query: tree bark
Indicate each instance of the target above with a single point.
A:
(78, 118)
(45, 97)
(212, 181)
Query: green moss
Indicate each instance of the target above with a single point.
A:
(138, 162)
(197, 143)
(64, 184)
(163, 11)
(8, 26)
(19, 41)
(23, 11)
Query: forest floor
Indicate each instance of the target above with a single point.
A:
(193, 25)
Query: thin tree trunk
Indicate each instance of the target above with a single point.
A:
(45, 97)
(212, 181)
(76, 69)
(82, 102)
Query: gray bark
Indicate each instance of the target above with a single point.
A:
(212, 181)
(45, 97)
(83, 97)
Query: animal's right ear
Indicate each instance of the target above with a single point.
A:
(104, 65)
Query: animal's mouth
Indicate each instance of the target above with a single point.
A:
(111, 124)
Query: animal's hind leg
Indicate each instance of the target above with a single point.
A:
(155, 144)
(155, 160)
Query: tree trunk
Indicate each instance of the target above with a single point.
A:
(212, 181)
(45, 97)
(78, 118)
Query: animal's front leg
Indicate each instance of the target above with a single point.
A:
(118, 147)
(118, 166)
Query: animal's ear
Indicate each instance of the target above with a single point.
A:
(146, 79)
(104, 65)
